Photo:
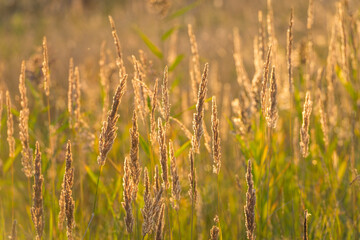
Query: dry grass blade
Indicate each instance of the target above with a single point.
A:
(26, 151)
(108, 130)
(37, 213)
(183, 128)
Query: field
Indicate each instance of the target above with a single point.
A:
(163, 119)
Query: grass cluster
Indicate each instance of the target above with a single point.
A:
(158, 145)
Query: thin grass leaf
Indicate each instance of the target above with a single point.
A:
(182, 148)
(184, 10)
(152, 47)
(176, 62)
(168, 33)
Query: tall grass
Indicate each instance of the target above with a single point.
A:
(281, 161)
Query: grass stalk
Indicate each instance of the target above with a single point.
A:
(94, 206)
(178, 222)
(192, 216)
(268, 179)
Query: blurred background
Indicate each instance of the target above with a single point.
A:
(76, 28)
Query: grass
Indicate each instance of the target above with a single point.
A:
(288, 187)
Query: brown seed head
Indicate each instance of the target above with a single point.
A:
(289, 48)
(261, 36)
(165, 98)
(134, 155)
(148, 204)
(216, 148)
(249, 208)
(26, 151)
(265, 83)
(152, 116)
(70, 90)
(37, 207)
(10, 127)
(119, 59)
(156, 207)
(307, 215)
(68, 182)
(45, 68)
(127, 194)
(271, 111)
(310, 17)
(304, 131)
(195, 55)
(160, 223)
(156, 185)
(77, 96)
(192, 177)
(108, 130)
(176, 188)
(198, 116)
(214, 233)
(138, 86)
(163, 153)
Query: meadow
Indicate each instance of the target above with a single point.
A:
(166, 119)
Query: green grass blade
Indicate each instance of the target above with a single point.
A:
(152, 47)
